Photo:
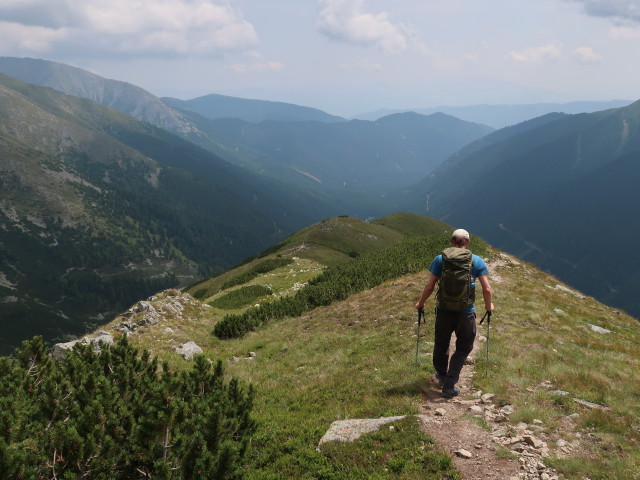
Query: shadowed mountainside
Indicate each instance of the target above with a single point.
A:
(98, 209)
(555, 191)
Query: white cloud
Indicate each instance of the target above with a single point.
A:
(237, 68)
(620, 10)
(542, 54)
(242, 68)
(587, 55)
(125, 27)
(346, 21)
(625, 33)
(36, 39)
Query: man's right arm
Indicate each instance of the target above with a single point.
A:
(428, 290)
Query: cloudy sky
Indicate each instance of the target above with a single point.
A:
(343, 56)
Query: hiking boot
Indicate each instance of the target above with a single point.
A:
(450, 392)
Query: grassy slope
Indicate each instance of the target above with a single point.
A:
(355, 359)
(543, 334)
(332, 241)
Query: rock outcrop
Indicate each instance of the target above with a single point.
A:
(98, 341)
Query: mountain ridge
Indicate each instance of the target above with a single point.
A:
(349, 164)
(110, 93)
(216, 106)
(356, 358)
(501, 116)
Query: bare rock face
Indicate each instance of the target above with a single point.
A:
(171, 304)
(188, 350)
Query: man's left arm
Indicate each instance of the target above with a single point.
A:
(487, 293)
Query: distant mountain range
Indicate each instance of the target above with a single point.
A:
(559, 191)
(356, 162)
(500, 116)
(350, 164)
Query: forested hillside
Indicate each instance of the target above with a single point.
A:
(556, 191)
(358, 161)
(99, 210)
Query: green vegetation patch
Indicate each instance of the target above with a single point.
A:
(342, 280)
(544, 355)
(116, 415)
(261, 268)
(241, 297)
(244, 273)
(399, 450)
(412, 224)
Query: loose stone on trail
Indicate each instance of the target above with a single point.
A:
(464, 453)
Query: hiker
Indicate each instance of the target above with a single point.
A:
(455, 271)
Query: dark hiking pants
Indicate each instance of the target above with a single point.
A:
(464, 326)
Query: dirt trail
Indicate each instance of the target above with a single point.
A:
(480, 454)
(455, 430)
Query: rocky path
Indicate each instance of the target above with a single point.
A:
(476, 432)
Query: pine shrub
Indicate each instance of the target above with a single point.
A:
(116, 414)
(265, 266)
(241, 297)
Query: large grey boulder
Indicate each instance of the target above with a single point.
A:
(350, 430)
(188, 350)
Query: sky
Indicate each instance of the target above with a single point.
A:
(343, 56)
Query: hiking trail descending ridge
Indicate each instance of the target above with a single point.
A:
(474, 431)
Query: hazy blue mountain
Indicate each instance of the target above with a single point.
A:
(121, 96)
(356, 161)
(559, 191)
(98, 210)
(348, 163)
(499, 116)
(215, 106)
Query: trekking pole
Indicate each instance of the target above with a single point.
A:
(420, 320)
(487, 315)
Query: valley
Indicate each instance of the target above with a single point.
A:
(217, 219)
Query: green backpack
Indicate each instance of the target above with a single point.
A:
(454, 285)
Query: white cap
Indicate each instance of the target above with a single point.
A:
(460, 233)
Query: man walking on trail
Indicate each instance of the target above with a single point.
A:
(455, 271)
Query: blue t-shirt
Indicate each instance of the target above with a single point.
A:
(478, 268)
